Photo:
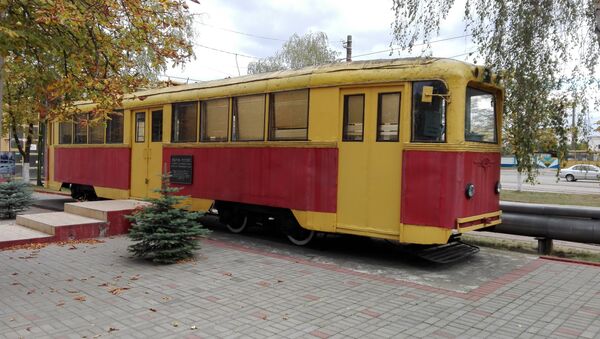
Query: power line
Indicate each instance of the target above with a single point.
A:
(227, 52)
(423, 44)
(179, 78)
(243, 33)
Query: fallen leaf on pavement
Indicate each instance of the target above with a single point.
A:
(175, 324)
(193, 327)
(152, 309)
(79, 298)
(112, 329)
(118, 290)
(60, 303)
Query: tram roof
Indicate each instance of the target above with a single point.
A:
(340, 73)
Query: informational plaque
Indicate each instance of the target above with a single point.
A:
(182, 169)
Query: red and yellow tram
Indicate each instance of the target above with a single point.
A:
(405, 149)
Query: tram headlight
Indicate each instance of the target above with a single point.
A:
(470, 191)
(498, 187)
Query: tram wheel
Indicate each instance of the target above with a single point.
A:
(237, 224)
(300, 236)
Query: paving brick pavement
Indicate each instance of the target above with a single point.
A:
(231, 291)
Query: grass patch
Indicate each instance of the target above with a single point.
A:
(552, 198)
(530, 247)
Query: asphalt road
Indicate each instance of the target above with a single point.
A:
(547, 181)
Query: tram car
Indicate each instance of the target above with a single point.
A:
(404, 149)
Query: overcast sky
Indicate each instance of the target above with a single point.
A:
(257, 28)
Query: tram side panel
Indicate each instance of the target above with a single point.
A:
(298, 178)
(100, 167)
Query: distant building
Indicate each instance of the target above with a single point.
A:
(594, 143)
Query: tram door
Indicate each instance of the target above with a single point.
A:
(370, 156)
(146, 151)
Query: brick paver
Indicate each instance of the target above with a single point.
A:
(235, 291)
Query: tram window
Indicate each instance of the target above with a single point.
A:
(80, 130)
(480, 116)
(96, 133)
(185, 122)
(114, 128)
(65, 132)
(288, 115)
(140, 127)
(428, 118)
(213, 120)
(388, 116)
(248, 118)
(157, 126)
(354, 116)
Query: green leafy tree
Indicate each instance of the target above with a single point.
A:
(53, 53)
(15, 196)
(299, 51)
(545, 49)
(163, 232)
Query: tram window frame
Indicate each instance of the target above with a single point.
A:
(61, 134)
(380, 137)
(78, 125)
(175, 115)
(156, 125)
(417, 92)
(97, 126)
(204, 118)
(469, 135)
(113, 131)
(273, 113)
(236, 121)
(140, 137)
(345, 136)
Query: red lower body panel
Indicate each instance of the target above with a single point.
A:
(288, 177)
(434, 184)
(95, 166)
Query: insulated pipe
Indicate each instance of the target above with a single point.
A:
(552, 227)
(556, 210)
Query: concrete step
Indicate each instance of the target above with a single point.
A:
(13, 235)
(64, 226)
(102, 209)
(112, 212)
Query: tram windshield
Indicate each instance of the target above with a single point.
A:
(480, 116)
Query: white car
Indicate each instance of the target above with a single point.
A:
(580, 171)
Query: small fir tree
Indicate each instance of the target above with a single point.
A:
(163, 232)
(15, 196)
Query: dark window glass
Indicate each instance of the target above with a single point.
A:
(248, 119)
(140, 127)
(80, 130)
(96, 133)
(288, 116)
(215, 115)
(388, 116)
(428, 118)
(185, 122)
(354, 116)
(157, 126)
(480, 116)
(114, 128)
(65, 132)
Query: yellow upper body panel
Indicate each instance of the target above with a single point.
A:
(337, 74)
